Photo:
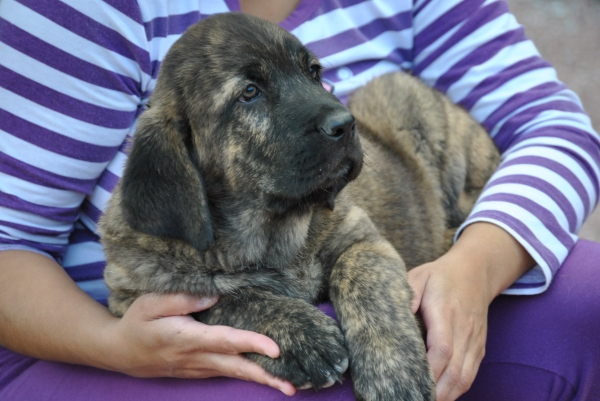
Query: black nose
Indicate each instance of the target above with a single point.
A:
(338, 124)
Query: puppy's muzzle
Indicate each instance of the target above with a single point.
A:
(339, 125)
(336, 159)
(344, 161)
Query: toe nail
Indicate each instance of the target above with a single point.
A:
(329, 383)
(305, 386)
(342, 366)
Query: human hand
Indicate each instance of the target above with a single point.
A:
(453, 295)
(157, 338)
(453, 304)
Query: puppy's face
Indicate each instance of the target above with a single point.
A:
(260, 121)
(239, 122)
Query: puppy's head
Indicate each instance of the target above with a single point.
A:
(238, 112)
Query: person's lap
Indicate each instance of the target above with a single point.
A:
(542, 347)
(546, 347)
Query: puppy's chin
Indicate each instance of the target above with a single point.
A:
(322, 194)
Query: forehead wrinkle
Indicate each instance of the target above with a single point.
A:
(258, 71)
(259, 54)
(281, 55)
(226, 92)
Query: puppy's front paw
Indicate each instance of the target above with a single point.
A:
(312, 349)
(390, 372)
(413, 385)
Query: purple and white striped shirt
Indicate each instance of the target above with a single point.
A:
(74, 77)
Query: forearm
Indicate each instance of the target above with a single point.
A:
(546, 184)
(500, 259)
(44, 314)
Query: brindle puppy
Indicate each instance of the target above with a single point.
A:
(235, 187)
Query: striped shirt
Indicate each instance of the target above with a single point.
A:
(74, 77)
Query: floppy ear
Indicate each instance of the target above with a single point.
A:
(162, 191)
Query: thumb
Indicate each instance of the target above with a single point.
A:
(156, 306)
(417, 278)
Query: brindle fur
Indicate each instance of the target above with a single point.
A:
(247, 201)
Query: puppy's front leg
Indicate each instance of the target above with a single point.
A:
(371, 295)
(312, 351)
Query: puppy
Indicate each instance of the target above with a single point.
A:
(243, 181)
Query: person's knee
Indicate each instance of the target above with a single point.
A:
(512, 382)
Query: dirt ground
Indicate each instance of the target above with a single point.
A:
(567, 33)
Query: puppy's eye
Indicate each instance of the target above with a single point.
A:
(315, 71)
(250, 93)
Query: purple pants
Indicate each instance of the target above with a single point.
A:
(543, 347)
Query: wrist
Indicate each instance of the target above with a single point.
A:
(498, 254)
(60, 323)
(103, 344)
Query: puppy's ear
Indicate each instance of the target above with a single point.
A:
(162, 190)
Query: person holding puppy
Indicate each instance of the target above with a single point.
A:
(75, 77)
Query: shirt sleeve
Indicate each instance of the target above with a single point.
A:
(73, 76)
(547, 183)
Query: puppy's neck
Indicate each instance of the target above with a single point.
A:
(250, 236)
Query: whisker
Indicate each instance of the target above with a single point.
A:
(369, 162)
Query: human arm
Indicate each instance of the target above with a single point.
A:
(71, 87)
(546, 185)
(44, 314)
(453, 294)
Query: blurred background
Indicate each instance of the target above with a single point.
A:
(567, 34)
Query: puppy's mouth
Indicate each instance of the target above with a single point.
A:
(323, 193)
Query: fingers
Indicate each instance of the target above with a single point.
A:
(219, 349)
(161, 339)
(451, 377)
(161, 309)
(459, 375)
(440, 341)
(156, 306)
(459, 380)
(205, 365)
(242, 368)
(455, 355)
(417, 278)
(455, 317)
(227, 340)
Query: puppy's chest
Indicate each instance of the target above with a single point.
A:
(302, 277)
(280, 256)
(305, 278)
(292, 251)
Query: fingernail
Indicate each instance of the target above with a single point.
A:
(206, 301)
(290, 391)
